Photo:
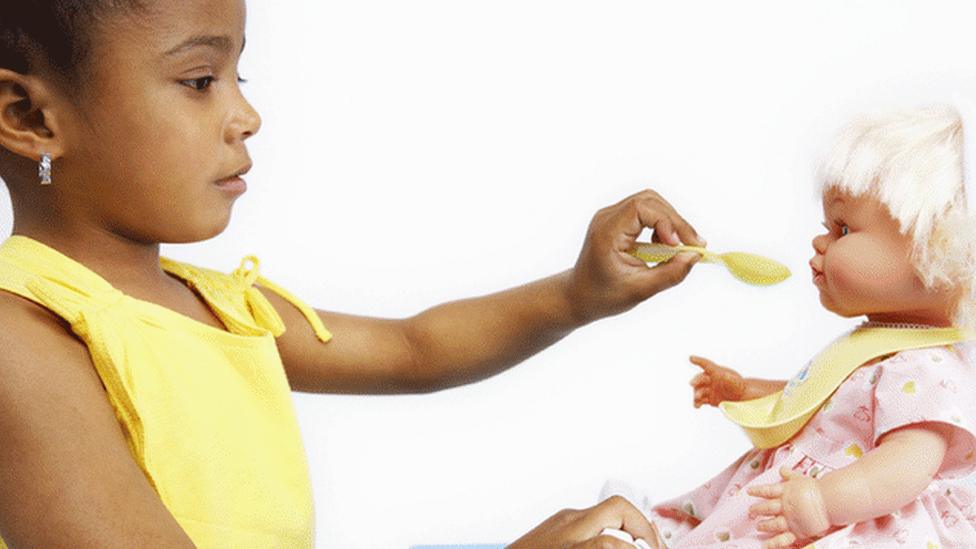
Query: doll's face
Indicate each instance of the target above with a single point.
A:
(862, 266)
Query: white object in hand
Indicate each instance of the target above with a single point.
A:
(624, 536)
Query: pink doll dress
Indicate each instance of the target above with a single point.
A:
(930, 384)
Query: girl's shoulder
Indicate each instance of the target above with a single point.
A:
(17, 311)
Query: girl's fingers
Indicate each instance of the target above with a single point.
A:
(770, 507)
(665, 232)
(656, 213)
(604, 542)
(703, 394)
(617, 512)
(786, 539)
(774, 525)
(655, 540)
(685, 232)
(768, 491)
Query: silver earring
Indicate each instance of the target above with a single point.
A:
(44, 169)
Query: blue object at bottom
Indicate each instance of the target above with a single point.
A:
(458, 547)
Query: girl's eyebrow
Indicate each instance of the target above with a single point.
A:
(221, 43)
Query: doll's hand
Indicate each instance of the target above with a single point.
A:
(716, 383)
(795, 509)
(607, 279)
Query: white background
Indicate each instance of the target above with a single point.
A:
(417, 152)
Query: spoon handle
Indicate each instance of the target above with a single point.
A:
(655, 252)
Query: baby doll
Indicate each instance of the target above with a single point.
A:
(856, 449)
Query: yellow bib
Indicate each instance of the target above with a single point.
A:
(772, 420)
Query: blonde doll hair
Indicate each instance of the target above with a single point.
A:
(912, 161)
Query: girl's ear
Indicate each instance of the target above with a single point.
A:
(28, 120)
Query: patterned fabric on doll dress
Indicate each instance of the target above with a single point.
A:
(931, 384)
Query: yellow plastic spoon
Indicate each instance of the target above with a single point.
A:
(749, 268)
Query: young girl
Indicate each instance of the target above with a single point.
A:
(145, 402)
(856, 448)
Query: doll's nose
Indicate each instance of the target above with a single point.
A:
(820, 244)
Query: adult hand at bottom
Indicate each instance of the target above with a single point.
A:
(580, 529)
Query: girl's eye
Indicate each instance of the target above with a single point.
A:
(199, 84)
(844, 230)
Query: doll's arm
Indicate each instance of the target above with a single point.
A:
(715, 384)
(882, 481)
(888, 477)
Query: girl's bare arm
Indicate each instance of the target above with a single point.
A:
(471, 339)
(67, 474)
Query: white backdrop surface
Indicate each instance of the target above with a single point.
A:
(423, 151)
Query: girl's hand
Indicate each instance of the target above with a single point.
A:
(580, 529)
(716, 383)
(607, 280)
(794, 508)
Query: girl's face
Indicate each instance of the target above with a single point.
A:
(164, 122)
(862, 266)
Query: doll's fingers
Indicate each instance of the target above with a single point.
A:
(768, 491)
(774, 525)
(786, 539)
(770, 507)
(700, 379)
(767, 508)
(788, 473)
(708, 367)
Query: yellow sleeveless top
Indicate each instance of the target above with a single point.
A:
(207, 413)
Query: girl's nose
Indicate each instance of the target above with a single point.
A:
(246, 121)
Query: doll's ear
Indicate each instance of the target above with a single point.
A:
(29, 116)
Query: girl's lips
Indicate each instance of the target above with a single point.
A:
(233, 185)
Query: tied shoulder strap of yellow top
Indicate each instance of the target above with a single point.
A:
(772, 420)
(264, 314)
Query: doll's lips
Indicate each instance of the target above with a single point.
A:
(818, 275)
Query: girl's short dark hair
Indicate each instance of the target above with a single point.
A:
(59, 33)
